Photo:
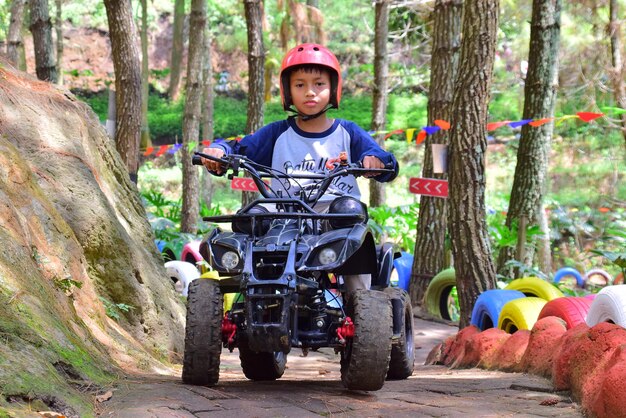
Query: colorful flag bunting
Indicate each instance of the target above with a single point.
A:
(420, 137)
(431, 129)
(520, 123)
(539, 122)
(588, 116)
(409, 134)
(495, 125)
(440, 124)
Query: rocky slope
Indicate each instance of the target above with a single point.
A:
(75, 243)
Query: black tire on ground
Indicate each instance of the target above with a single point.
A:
(203, 333)
(365, 359)
(402, 361)
(261, 365)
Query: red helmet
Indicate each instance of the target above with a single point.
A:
(310, 54)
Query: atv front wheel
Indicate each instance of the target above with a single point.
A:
(365, 358)
(403, 349)
(260, 365)
(203, 333)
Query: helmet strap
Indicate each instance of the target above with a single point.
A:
(305, 117)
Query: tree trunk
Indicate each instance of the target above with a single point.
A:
(381, 80)
(144, 142)
(539, 100)
(127, 69)
(41, 28)
(208, 123)
(474, 267)
(14, 36)
(178, 40)
(193, 113)
(58, 26)
(432, 221)
(256, 68)
(618, 70)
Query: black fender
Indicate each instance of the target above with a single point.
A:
(386, 255)
(360, 256)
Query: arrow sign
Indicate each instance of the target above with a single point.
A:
(428, 187)
(243, 183)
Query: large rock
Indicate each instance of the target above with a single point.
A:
(481, 347)
(543, 344)
(74, 238)
(509, 356)
(581, 364)
(608, 400)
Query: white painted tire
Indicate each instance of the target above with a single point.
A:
(182, 274)
(588, 277)
(609, 305)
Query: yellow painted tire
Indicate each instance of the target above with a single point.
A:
(535, 287)
(520, 313)
(437, 293)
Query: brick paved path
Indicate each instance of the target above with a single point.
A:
(311, 387)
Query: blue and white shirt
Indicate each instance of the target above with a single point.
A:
(287, 148)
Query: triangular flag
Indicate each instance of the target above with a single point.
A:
(540, 122)
(615, 110)
(431, 129)
(495, 125)
(442, 124)
(420, 137)
(409, 134)
(397, 131)
(206, 142)
(174, 148)
(148, 151)
(519, 123)
(589, 116)
(162, 150)
(191, 146)
(560, 119)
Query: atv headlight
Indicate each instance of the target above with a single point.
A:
(327, 256)
(230, 260)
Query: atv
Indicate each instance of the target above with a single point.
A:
(286, 267)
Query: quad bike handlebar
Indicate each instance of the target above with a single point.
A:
(309, 193)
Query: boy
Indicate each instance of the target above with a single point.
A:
(310, 84)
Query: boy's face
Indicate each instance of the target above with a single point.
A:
(310, 90)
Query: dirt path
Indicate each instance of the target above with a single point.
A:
(311, 387)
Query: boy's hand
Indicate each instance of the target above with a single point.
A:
(210, 164)
(370, 161)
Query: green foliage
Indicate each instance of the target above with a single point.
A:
(113, 310)
(505, 237)
(66, 284)
(397, 224)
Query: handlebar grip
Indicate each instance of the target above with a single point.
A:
(196, 160)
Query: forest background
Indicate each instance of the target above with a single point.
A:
(585, 194)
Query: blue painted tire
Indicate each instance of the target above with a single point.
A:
(569, 272)
(402, 266)
(488, 306)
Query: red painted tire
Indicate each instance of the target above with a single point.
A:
(572, 310)
(619, 279)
